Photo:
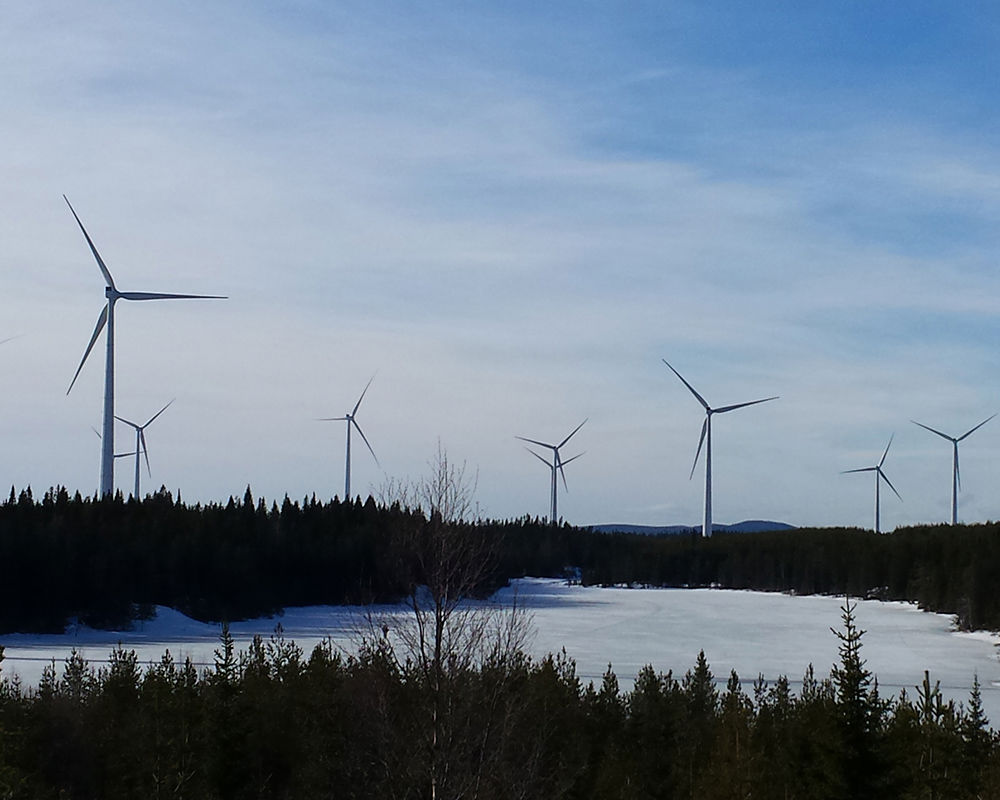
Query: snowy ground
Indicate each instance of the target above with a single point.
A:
(751, 632)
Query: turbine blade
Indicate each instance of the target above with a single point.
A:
(358, 404)
(540, 458)
(164, 296)
(574, 458)
(942, 435)
(690, 387)
(100, 261)
(571, 435)
(976, 428)
(862, 469)
(127, 422)
(562, 472)
(701, 441)
(97, 433)
(331, 419)
(958, 472)
(365, 438)
(886, 479)
(102, 320)
(535, 441)
(145, 451)
(882, 460)
(724, 409)
(150, 420)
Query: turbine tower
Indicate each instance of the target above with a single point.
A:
(706, 439)
(556, 465)
(140, 444)
(107, 317)
(879, 476)
(956, 480)
(97, 433)
(350, 419)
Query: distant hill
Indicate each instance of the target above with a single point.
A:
(747, 526)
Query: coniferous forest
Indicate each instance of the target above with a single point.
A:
(448, 705)
(109, 561)
(272, 722)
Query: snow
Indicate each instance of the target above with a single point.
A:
(752, 632)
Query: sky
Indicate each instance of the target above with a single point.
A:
(509, 213)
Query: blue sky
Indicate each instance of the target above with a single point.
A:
(512, 213)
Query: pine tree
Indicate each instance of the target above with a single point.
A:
(702, 700)
(977, 740)
(859, 707)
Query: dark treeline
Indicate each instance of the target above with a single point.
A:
(270, 722)
(951, 569)
(107, 562)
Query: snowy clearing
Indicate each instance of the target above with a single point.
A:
(752, 632)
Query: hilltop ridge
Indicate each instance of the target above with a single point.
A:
(746, 526)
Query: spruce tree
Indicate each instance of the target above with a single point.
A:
(860, 710)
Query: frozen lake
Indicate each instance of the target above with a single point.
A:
(751, 632)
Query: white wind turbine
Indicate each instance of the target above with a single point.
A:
(706, 439)
(97, 433)
(351, 421)
(956, 480)
(107, 317)
(879, 477)
(556, 465)
(140, 444)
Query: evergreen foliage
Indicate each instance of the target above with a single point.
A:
(108, 562)
(271, 722)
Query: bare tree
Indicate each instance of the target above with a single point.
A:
(447, 489)
(450, 635)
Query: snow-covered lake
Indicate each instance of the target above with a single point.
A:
(751, 632)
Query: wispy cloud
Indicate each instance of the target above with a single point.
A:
(513, 238)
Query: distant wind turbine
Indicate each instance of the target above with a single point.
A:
(706, 439)
(107, 317)
(956, 480)
(351, 421)
(97, 433)
(556, 465)
(879, 477)
(140, 444)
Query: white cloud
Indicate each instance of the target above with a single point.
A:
(370, 202)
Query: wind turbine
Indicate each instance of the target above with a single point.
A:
(350, 419)
(556, 465)
(97, 433)
(706, 434)
(956, 480)
(879, 476)
(140, 444)
(107, 317)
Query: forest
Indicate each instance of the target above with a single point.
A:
(446, 703)
(108, 562)
(484, 722)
